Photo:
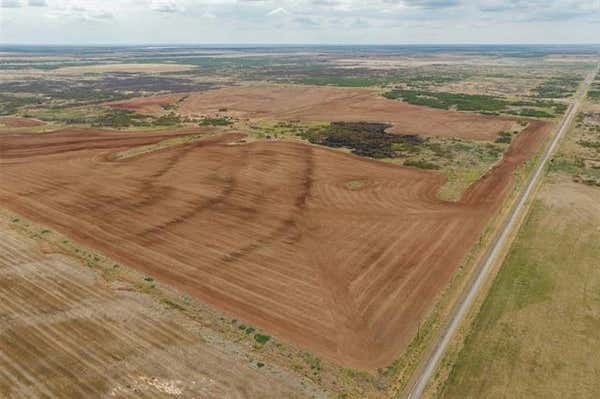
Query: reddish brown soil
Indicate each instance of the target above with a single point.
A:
(269, 232)
(17, 121)
(308, 103)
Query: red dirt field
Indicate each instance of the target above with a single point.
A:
(309, 103)
(268, 232)
(16, 121)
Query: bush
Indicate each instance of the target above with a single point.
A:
(222, 121)
(262, 339)
(421, 164)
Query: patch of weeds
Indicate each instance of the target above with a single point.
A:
(421, 164)
(148, 278)
(115, 118)
(218, 121)
(558, 87)
(171, 305)
(262, 339)
(504, 137)
(260, 365)
(355, 184)
(589, 144)
(570, 166)
(313, 362)
(168, 120)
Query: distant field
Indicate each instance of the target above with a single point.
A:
(332, 104)
(536, 332)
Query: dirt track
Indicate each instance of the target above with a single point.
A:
(268, 231)
(309, 103)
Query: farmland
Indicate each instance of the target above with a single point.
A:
(292, 220)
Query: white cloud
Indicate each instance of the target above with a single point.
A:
(10, 3)
(37, 3)
(168, 6)
(278, 11)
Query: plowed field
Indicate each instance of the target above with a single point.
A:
(339, 254)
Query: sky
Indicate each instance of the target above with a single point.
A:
(77, 22)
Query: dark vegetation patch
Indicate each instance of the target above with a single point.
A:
(371, 140)
(476, 102)
(104, 117)
(88, 89)
(504, 136)
(363, 138)
(10, 104)
(357, 77)
(558, 87)
(117, 118)
(216, 121)
(169, 119)
(261, 338)
(583, 162)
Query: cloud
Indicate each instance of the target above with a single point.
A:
(278, 11)
(167, 6)
(431, 4)
(307, 22)
(208, 15)
(37, 3)
(10, 3)
(359, 23)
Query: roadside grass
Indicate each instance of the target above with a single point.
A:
(533, 334)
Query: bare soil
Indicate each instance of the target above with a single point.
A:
(268, 232)
(16, 121)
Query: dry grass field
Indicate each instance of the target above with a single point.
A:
(274, 233)
(536, 332)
